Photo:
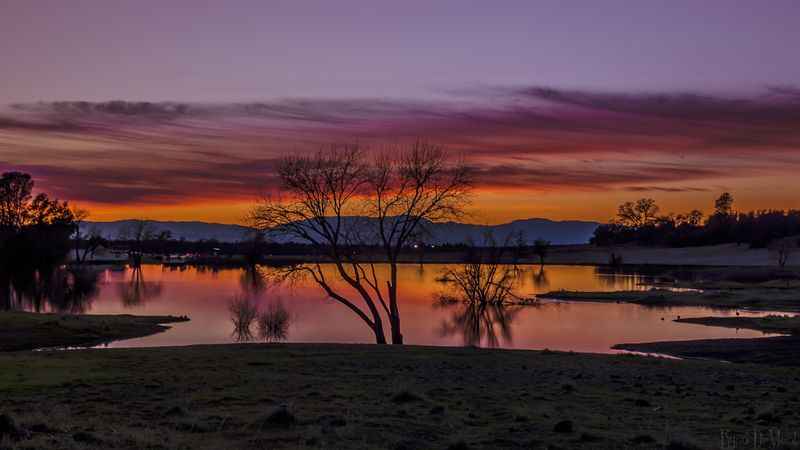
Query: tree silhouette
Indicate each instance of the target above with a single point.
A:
(343, 203)
(638, 214)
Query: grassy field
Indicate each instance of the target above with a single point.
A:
(26, 331)
(368, 397)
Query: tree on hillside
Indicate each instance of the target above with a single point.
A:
(723, 206)
(638, 214)
(396, 195)
(721, 223)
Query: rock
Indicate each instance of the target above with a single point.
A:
(437, 410)
(175, 411)
(565, 426)
(643, 439)
(588, 437)
(281, 417)
(10, 430)
(85, 438)
(406, 397)
(7, 425)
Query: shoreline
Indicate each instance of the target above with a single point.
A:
(752, 299)
(724, 255)
(24, 331)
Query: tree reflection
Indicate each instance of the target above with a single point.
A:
(271, 321)
(137, 291)
(481, 323)
(243, 312)
(58, 289)
(482, 292)
(252, 281)
(540, 280)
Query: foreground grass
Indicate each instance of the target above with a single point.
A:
(26, 331)
(367, 397)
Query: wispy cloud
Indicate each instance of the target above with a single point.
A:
(516, 138)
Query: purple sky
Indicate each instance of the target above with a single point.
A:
(255, 50)
(564, 108)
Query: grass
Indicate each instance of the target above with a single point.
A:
(765, 299)
(770, 324)
(26, 331)
(368, 397)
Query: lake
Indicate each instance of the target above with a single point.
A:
(206, 295)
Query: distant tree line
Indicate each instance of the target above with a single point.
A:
(640, 222)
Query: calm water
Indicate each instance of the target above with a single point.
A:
(205, 296)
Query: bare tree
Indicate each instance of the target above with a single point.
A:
(784, 249)
(137, 233)
(483, 278)
(80, 215)
(340, 202)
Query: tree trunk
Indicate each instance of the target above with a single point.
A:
(77, 244)
(380, 337)
(397, 335)
(394, 311)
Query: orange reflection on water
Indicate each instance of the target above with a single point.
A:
(204, 295)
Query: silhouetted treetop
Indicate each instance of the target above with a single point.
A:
(638, 223)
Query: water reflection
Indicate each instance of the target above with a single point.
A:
(253, 281)
(540, 281)
(56, 289)
(137, 291)
(618, 278)
(243, 313)
(300, 313)
(271, 320)
(481, 324)
(273, 323)
(480, 297)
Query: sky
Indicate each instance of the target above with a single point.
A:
(564, 109)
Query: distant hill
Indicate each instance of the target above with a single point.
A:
(557, 232)
(190, 231)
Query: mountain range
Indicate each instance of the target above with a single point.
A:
(557, 232)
